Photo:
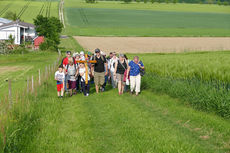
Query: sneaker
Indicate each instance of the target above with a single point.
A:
(102, 89)
(87, 94)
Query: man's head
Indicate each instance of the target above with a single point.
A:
(60, 68)
(110, 54)
(97, 51)
(68, 54)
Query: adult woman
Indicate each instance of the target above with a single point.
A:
(121, 66)
(71, 74)
(135, 78)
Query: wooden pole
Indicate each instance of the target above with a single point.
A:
(39, 77)
(10, 94)
(32, 84)
(28, 85)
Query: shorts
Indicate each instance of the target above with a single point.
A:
(120, 77)
(99, 78)
(59, 87)
(72, 84)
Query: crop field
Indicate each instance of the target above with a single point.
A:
(103, 20)
(28, 10)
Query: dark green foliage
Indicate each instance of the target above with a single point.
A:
(145, 1)
(50, 28)
(90, 1)
(127, 1)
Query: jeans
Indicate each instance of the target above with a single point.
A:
(85, 87)
(78, 82)
(113, 81)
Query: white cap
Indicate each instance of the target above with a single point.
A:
(82, 53)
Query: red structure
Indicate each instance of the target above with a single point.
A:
(37, 41)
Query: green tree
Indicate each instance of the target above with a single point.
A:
(138, 1)
(11, 15)
(50, 28)
(166, 1)
(127, 1)
(90, 1)
(145, 1)
(153, 1)
(219, 2)
(175, 1)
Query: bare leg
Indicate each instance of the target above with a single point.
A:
(119, 87)
(97, 88)
(122, 87)
(62, 92)
(58, 93)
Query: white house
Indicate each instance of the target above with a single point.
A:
(19, 30)
(4, 21)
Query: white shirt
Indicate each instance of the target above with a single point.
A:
(111, 63)
(60, 76)
(82, 70)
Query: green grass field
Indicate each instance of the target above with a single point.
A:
(117, 19)
(151, 122)
(112, 123)
(18, 67)
(34, 8)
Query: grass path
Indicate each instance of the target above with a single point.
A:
(112, 123)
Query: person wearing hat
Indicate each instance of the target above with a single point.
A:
(121, 67)
(100, 69)
(82, 56)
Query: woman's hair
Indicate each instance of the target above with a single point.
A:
(136, 57)
(125, 57)
(70, 60)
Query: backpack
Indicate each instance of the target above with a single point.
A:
(74, 67)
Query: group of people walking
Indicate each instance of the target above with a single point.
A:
(78, 71)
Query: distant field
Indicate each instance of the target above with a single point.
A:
(46, 8)
(117, 19)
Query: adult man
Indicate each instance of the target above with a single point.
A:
(100, 69)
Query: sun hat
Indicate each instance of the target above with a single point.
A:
(82, 53)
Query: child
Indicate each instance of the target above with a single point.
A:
(60, 77)
(85, 87)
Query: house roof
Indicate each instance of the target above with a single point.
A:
(18, 23)
(3, 20)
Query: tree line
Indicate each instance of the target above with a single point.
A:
(219, 2)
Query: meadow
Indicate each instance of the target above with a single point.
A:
(18, 67)
(151, 122)
(118, 19)
(28, 10)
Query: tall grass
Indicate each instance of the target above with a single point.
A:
(200, 79)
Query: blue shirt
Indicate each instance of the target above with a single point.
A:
(134, 68)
